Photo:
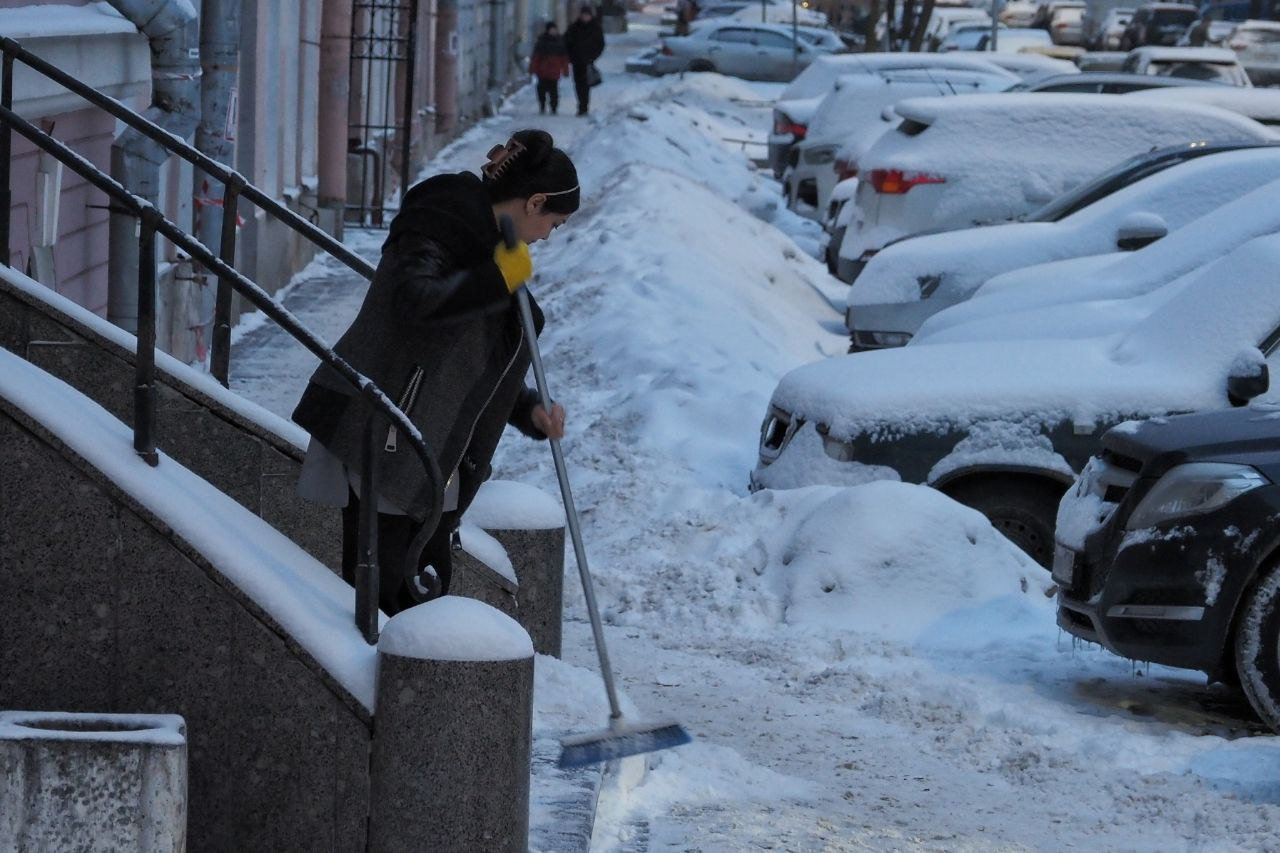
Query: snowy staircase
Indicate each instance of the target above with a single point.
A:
(131, 588)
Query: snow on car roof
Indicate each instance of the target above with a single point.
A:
(1214, 55)
(1176, 357)
(825, 70)
(858, 99)
(1260, 104)
(1011, 152)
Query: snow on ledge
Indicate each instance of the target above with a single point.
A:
(487, 550)
(508, 505)
(165, 363)
(455, 628)
(307, 600)
(157, 729)
(63, 21)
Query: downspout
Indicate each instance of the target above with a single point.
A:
(446, 67)
(331, 112)
(215, 138)
(174, 33)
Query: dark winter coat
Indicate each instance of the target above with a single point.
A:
(584, 41)
(440, 334)
(550, 59)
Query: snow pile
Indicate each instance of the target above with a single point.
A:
(457, 629)
(1003, 155)
(853, 564)
(964, 259)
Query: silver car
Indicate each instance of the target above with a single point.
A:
(749, 51)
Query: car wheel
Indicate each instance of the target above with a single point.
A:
(701, 65)
(1257, 648)
(1023, 509)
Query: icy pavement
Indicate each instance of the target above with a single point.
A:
(862, 668)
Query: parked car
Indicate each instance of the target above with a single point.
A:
(1101, 60)
(965, 36)
(1018, 13)
(1111, 83)
(1003, 425)
(749, 51)
(857, 102)
(779, 12)
(958, 162)
(946, 18)
(1257, 46)
(1066, 24)
(1029, 66)
(794, 107)
(1157, 24)
(1111, 29)
(1167, 545)
(1014, 40)
(1261, 105)
(1129, 207)
(1215, 64)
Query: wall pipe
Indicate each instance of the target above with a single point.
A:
(331, 114)
(174, 33)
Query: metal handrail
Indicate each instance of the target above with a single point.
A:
(151, 222)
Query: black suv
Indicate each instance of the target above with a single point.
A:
(1158, 24)
(1169, 548)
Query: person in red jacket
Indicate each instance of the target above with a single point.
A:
(549, 62)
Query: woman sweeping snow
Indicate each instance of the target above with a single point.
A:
(440, 331)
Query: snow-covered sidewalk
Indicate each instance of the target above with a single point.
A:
(862, 668)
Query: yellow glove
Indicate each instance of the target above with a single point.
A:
(515, 264)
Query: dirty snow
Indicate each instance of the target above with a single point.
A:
(927, 701)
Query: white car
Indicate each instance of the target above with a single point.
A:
(1215, 64)
(911, 281)
(1029, 66)
(795, 106)
(959, 162)
(1015, 40)
(1018, 13)
(1003, 425)
(966, 35)
(1260, 104)
(858, 102)
(749, 51)
(1112, 27)
(1257, 46)
(945, 18)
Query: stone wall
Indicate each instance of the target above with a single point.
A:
(252, 464)
(106, 611)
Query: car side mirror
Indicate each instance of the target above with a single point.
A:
(1140, 229)
(1249, 378)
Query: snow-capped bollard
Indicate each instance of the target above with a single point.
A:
(115, 781)
(529, 525)
(452, 731)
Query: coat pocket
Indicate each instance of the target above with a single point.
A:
(408, 397)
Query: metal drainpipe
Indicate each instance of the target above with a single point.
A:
(331, 114)
(446, 66)
(174, 31)
(216, 134)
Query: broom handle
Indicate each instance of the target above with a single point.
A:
(571, 513)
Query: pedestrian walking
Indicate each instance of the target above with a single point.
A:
(440, 332)
(549, 62)
(584, 40)
(686, 13)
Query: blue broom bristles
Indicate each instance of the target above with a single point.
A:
(620, 742)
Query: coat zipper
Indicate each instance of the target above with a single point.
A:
(407, 399)
(496, 386)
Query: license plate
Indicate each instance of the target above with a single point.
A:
(1064, 565)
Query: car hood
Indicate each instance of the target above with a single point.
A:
(1227, 434)
(799, 110)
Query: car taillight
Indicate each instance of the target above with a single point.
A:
(845, 170)
(666, 51)
(897, 182)
(782, 124)
(1238, 45)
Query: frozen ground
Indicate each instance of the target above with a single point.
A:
(862, 668)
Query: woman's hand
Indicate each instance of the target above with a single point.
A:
(552, 425)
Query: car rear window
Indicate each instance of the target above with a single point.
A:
(911, 127)
(1174, 16)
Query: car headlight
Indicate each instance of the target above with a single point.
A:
(1194, 489)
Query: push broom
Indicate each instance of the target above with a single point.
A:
(621, 738)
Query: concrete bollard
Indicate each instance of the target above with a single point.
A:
(93, 782)
(453, 731)
(529, 524)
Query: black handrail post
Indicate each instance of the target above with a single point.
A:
(6, 155)
(367, 580)
(220, 361)
(144, 391)
(406, 143)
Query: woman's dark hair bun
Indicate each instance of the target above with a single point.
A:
(528, 164)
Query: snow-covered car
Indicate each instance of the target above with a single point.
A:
(1111, 29)
(749, 51)
(1257, 46)
(1166, 546)
(795, 106)
(1145, 198)
(1102, 60)
(1157, 24)
(858, 102)
(965, 36)
(1215, 64)
(1016, 40)
(958, 162)
(946, 18)
(1258, 103)
(1029, 66)
(1003, 425)
(1111, 83)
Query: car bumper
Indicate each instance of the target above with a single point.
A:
(1168, 598)
(875, 326)
(779, 148)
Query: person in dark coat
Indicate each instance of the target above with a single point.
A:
(549, 62)
(439, 331)
(585, 42)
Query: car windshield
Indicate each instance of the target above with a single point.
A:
(1195, 70)
(1101, 186)
(1173, 17)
